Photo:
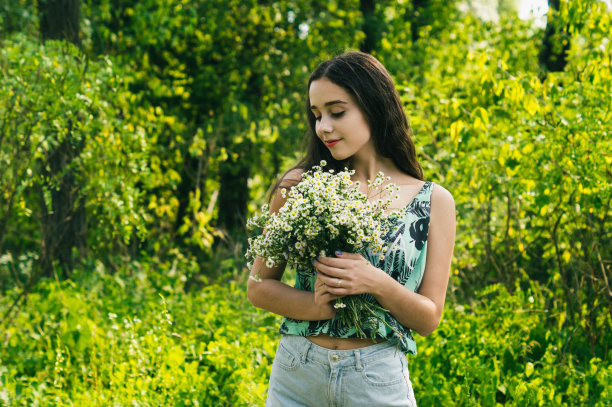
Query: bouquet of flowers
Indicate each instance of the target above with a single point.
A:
(323, 213)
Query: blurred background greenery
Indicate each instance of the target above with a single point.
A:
(136, 137)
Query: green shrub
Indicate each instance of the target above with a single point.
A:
(53, 97)
(136, 338)
(505, 350)
(18, 16)
(526, 154)
(125, 338)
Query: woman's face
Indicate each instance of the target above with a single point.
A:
(340, 124)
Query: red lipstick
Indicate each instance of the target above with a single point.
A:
(330, 143)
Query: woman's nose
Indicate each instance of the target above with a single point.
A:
(325, 125)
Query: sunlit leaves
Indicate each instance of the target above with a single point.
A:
(232, 73)
(87, 342)
(59, 95)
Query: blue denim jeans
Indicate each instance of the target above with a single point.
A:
(305, 374)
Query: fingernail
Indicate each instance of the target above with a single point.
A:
(338, 253)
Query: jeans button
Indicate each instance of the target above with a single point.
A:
(334, 358)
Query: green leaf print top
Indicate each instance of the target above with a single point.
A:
(405, 262)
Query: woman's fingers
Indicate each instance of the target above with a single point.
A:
(343, 268)
(321, 287)
(341, 260)
(350, 256)
(324, 298)
(333, 282)
(328, 270)
(339, 288)
(358, 278)
(327, 297)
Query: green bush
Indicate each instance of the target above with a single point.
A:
(136, 338)
(505, 350)
(54, 98)
(126, 338)
(526, 154)
(230, 75)
(18, 16)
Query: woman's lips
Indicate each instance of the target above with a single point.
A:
(330, 143)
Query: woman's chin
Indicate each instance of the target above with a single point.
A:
(338, 156)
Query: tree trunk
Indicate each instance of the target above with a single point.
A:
(370, 26)
(187, 185)
(417, 18)
(64, 223)
(234, 172)
(59, 20)
(233, 194)
(555, 44)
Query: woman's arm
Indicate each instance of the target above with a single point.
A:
(275, 296)
(269, 293)
(349, 273)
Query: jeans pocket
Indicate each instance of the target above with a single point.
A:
(286, 359)
(386, 372)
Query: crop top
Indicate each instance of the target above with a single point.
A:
(404, 261)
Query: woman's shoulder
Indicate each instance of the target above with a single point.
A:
(442, 201)
(291, 178)
(439, 192)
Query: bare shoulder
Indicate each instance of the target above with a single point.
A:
(289, 180)
(442, 207)
(442, 198)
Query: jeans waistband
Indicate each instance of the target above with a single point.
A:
(312, 351)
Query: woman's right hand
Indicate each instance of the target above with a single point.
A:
(324, 300)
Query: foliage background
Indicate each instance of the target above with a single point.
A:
(178, 115)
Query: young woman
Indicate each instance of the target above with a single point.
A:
(357, 121)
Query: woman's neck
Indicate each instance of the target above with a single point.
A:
(367, 168)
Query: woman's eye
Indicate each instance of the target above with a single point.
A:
(334, 115)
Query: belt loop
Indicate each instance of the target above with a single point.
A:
(357, 360)
(305, 351)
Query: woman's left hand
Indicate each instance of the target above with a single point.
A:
(349, 274)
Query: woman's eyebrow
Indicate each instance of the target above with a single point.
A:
(333, 102)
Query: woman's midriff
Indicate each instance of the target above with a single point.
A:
(330, 342)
